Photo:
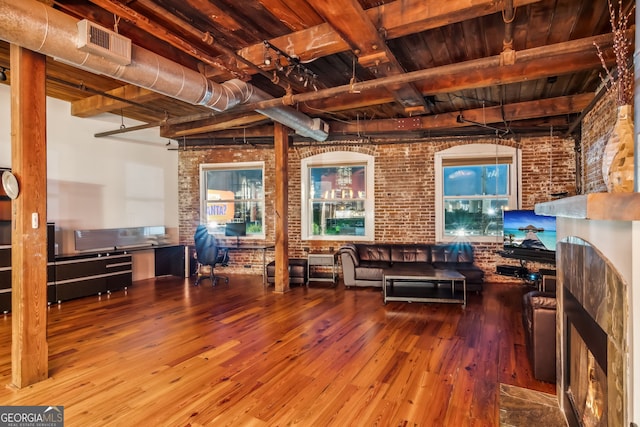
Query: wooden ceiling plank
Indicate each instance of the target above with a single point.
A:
(399, 18)
(563, 17)
(97, 104)
(297, 16)
(539, 17)
(403, 17)
(217, 16)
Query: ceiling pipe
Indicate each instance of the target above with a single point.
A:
(40, 28)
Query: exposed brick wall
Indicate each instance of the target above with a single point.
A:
(596, 127)
(404, 189)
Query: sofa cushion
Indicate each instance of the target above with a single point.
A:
(374, 252)
(441, 254)
(464, 252)
(452, 252)
(411, 253)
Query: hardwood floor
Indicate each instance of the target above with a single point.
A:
(166, 353)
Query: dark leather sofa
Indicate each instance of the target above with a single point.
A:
(365, 264)
(539, 321)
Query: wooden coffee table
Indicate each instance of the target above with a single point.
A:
(415, 286)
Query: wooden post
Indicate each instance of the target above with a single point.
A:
(29, 350)
(281, 145)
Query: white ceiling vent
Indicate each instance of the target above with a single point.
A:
(105, 43)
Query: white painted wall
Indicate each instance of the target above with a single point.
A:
(127, 180)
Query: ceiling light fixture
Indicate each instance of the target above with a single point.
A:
(267, 56)
(290, 66)
(3, 74)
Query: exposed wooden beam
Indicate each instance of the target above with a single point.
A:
(354, 25)
(489, 115)
(98, 104)
(29, 350)
(398, 18)
(281, 144)
(225, 121)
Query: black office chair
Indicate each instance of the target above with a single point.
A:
(209, 254)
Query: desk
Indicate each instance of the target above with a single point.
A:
(250, 247)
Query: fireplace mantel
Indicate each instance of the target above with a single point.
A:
(595, 206)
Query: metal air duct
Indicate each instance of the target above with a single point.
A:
(40, 28)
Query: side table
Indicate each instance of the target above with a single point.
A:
(321, 260)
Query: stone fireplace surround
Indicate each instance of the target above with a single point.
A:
(598, 264)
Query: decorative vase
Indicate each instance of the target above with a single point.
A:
(617, 158)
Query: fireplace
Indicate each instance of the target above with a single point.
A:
(585, 371)
(598, 265)
(593, 336)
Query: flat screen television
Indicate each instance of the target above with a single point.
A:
(525, 230)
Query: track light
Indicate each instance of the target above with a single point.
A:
(267, 56)
(288, 64)
(279, 65)
(3, 75)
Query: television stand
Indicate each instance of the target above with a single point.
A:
(522, 272)
(545, 257)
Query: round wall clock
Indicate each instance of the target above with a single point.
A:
(10, 184)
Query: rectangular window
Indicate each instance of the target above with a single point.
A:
(337, 200)
(337, 196)
(233, 199)
(474, 198)
(473, 188)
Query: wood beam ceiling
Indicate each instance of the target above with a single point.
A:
(479, 116)
(355, 27)
(533, 63)
(398, 18)
(561, 106)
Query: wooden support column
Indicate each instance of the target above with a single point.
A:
(29, 350)
(281, 145)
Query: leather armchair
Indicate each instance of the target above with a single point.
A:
(539, 321)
